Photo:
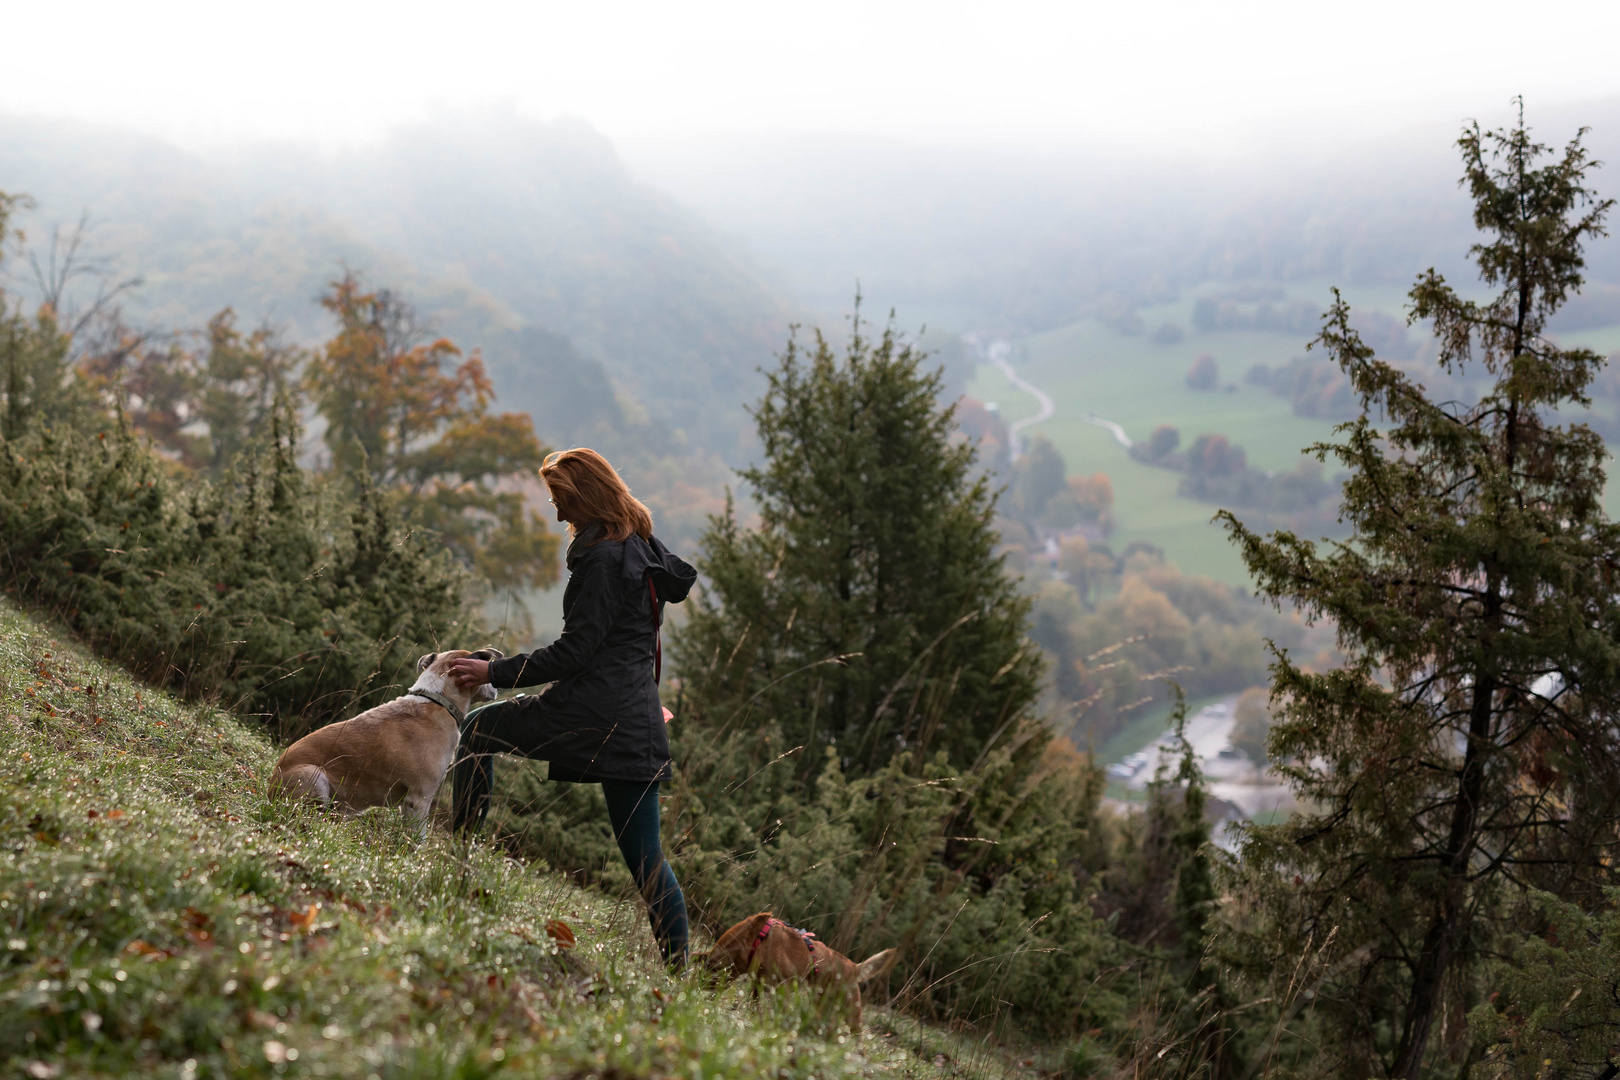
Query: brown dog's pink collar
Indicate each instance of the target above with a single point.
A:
(808, 936)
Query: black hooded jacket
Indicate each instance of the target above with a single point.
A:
(601, 716)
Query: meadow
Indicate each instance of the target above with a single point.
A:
(162, 918)
(1090, 367)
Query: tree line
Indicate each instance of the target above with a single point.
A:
(156, 496)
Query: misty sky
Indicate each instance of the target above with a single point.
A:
(1054, 75)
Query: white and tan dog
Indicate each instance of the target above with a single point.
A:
(394, 754)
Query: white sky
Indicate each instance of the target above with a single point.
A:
(1030, 74)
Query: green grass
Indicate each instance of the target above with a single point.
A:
(1089, 367)
(1146, 504)
(160, 918)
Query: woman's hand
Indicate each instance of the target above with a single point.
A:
(469, 673)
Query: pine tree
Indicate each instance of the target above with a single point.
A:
(868, 610)
(1468, 751)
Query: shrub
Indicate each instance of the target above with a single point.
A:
(286, 602)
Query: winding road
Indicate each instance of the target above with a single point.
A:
(998, 353)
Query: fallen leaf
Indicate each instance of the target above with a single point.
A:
(151, 952)
(561, 933)
(305, 920)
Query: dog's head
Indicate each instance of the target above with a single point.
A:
(439, 663)
(733, 948)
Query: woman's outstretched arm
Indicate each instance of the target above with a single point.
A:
(584, 629)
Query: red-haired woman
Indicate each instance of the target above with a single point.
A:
(600, 721)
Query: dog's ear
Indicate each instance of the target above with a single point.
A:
(489, 652)
(422, 664)
(876, 965)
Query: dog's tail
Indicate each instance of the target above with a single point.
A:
(302, 781)
(876, 965)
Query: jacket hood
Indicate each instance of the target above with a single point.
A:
(672, 575)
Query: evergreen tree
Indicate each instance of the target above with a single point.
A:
(289, 604)
(239, 383)
(868, 610)
(1468, 751)
(1040, 477)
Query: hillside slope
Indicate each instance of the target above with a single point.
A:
(161, 918)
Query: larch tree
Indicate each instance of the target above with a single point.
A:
(413, 414)
(1468, 752)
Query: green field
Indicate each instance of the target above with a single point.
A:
(1088, 367)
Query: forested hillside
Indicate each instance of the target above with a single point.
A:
(529, 240)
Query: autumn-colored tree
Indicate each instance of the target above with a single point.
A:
(1094, 495)
(202, 407)
(412, 413)
(149, 377)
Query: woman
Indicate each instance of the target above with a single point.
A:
(600, 721)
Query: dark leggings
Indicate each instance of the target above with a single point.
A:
(633, 810)
(632, 807)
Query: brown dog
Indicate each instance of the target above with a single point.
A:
(394, 754)
(773, 952)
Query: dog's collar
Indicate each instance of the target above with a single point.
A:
(809, 938)
(441, 701)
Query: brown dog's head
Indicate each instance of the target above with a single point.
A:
(734, 947)
(439, 663)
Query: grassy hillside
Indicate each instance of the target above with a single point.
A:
(160, 918)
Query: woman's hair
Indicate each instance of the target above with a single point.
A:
(586, 489)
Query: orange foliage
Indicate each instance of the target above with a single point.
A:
(413, 415)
